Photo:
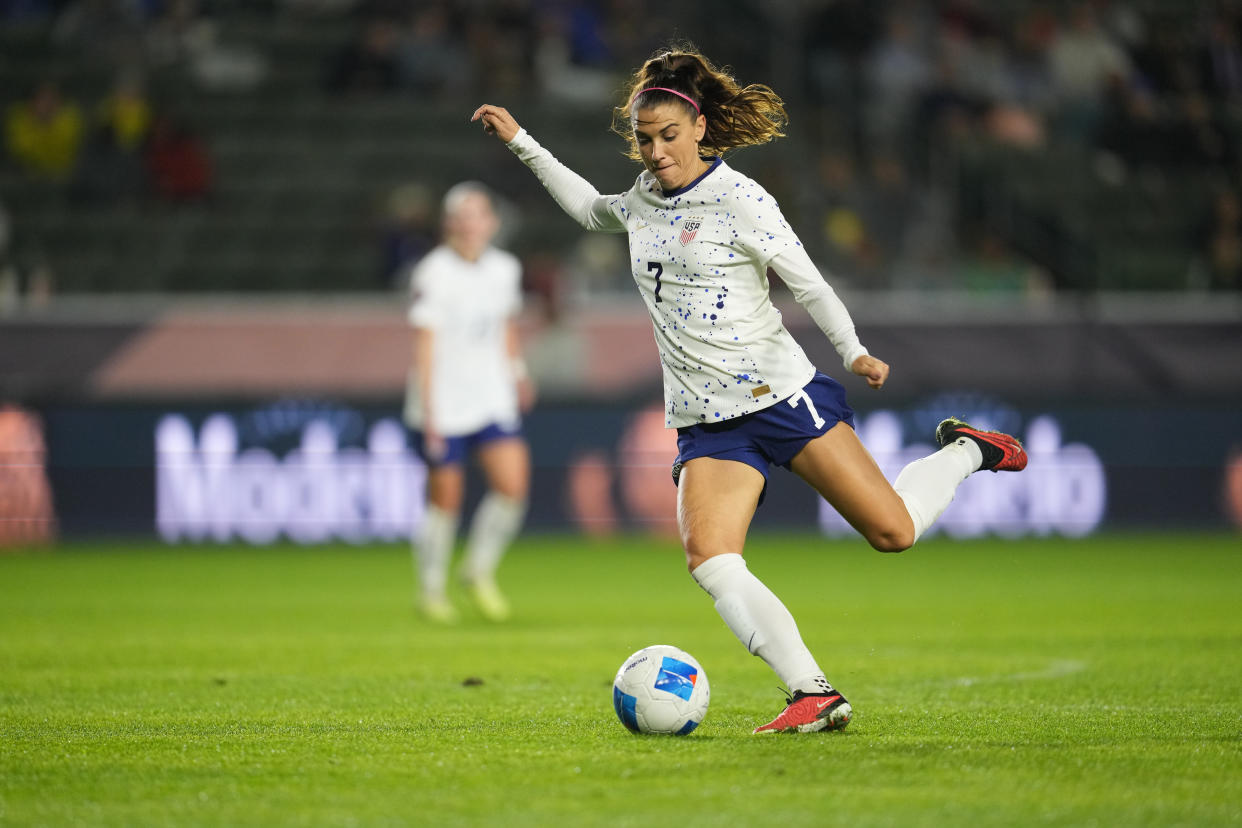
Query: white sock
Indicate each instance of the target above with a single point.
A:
(433, 547)
(495, 524)
(760, 621)
(927, 485)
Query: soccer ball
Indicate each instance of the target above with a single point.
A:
(661, 689)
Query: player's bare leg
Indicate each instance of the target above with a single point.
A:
(838, 466)
(716, 500)
(496, 522)
(892, 517)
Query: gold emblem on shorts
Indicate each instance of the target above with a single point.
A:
(760, 391)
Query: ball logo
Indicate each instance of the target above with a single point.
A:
(626, 706)
(676, 677)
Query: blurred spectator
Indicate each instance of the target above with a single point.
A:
(890, 204)
(945, 110)
(1220, 242)
(1149, 134)
(318, 8)
(1031, 79)
(108, 31)
(1015, 126)
(1123, 22)
(571, 58)
(1220, 60)
(1161, 63)
(1200, 138)
(369, 63)
(126, 112)
(989, 69)
(10, 279)
(1084, 61)
(107, 172)
(844, 241)
(897, 70)
(502, 45)
(836, 40)
(965, 19)
(110, 168)
(20, 286)
(1129, 126)
(26, 9)
(433, 60)
(409, 231)
(184, 34)
(989, 266)
(177, 163)
(43, 134)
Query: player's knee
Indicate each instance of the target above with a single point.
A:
(513, 488)
(445, 500)
(694, 556)
(891, 539)
(700, 548)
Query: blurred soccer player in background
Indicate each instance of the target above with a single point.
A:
(739, 390)
(467, 388)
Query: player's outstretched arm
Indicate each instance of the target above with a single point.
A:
(572, 192)
(497, 121)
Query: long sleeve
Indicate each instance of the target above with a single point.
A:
(571, 191)
(797, 271)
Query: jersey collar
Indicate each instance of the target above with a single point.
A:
(716, 161)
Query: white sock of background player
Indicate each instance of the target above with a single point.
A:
(496, 523)
(433, 547)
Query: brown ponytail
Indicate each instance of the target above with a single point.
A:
(736, 116)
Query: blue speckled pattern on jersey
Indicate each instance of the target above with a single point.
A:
(700, 257)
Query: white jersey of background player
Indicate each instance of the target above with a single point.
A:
(469, 306)
(466, 389)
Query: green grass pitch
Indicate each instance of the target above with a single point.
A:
(995, 682)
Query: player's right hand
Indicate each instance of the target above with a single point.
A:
(496, 121)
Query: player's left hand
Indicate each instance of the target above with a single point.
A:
(874, 371)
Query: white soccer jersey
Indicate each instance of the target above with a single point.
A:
(467, 306)
(700, 257)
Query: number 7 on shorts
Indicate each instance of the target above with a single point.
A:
(810, 406)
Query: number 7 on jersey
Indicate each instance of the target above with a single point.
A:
(659, 271)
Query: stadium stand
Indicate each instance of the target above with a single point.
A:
(300, 170)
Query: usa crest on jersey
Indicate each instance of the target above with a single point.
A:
(689, 229)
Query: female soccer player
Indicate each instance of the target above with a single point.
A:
(467, 386)
(739, 390)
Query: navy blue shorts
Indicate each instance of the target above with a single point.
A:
(458, 448)
(774, 435)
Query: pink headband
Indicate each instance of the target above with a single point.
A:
(670, 91)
